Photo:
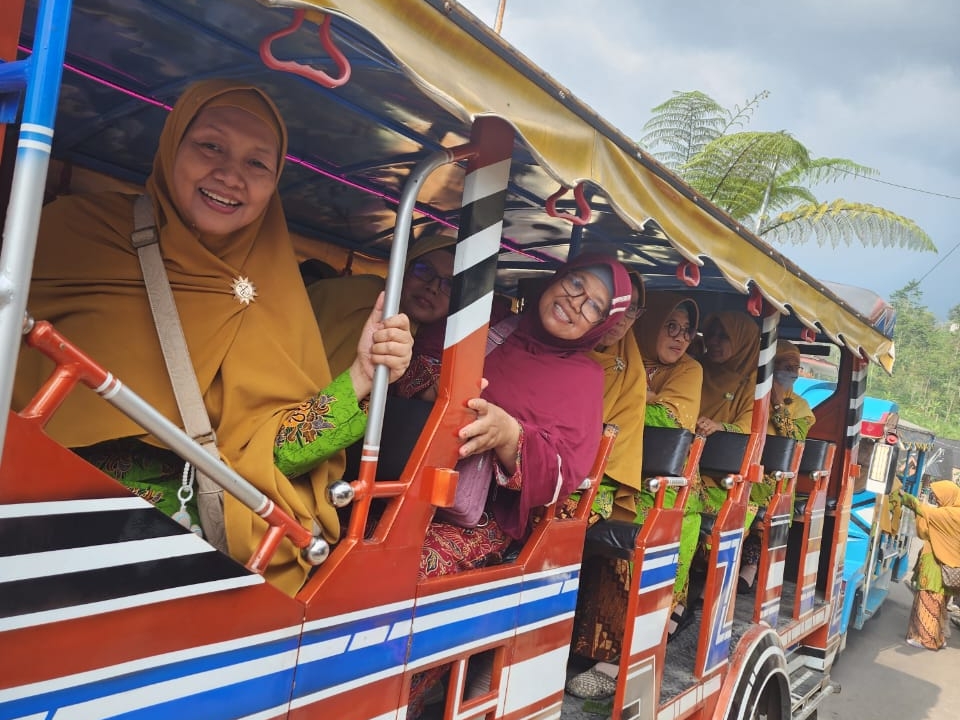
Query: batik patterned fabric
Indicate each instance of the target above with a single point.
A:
(449, 549)
(150, 472)
(320, 426)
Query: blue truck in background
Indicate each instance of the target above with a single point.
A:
(892, 452)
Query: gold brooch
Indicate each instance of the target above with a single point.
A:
(243, 290)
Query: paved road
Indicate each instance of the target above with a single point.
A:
(882, 677)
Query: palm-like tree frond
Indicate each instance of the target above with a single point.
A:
(753, 175)
(738, 172)
(683, 125)
(842, 223)
(823, 170)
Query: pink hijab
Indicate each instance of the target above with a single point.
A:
(555, 390)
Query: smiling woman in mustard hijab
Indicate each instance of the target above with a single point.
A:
(279, 418)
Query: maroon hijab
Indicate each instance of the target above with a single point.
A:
(555, 390)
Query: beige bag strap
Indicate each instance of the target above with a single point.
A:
(196, 422)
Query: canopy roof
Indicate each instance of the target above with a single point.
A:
(418, 78)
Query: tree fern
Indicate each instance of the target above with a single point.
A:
(841, 223)
(763, 178)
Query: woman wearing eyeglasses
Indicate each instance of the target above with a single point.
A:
(669, 389)
(539, 418)
(342, 304)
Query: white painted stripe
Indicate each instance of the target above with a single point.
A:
(400, 629)
(157, 693)
(649, 589)
(19, 622)
(366, 638)
(670, 554)
(551, 573)
(648, 630)
(96, 557)
(540, 592)
(423, 623)
(477, 248)
(546, 622)
(41, 129)
(536, 678)
(70, 507)
(486, 181)
(775, 577)
(34, 145)
(270, 713)
(311, 652)
(358, 615)
(763, 388)
(468, 320)
(767, 354)
(91, 676)
(474, 589)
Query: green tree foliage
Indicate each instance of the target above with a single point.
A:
(926, 377)
(763, 179)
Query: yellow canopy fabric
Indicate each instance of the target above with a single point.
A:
(477, 74)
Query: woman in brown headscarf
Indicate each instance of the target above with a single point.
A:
(671, 397)
(790, 417)
(731, 351)
(342, 304)
(938, 525)
(258, 357)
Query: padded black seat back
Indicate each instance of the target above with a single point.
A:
(665, 451)
(723, 453)
(777, 453)
(403, 419)
(814, 455)
(613, 538)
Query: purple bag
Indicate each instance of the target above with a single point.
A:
(476, 471)
(473, 488)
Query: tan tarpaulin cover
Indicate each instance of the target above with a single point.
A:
(470, 79)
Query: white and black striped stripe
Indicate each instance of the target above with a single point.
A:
(478, 242)
(768, 350)
(61, 560)
(858, 389)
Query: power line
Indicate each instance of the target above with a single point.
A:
(902, 187)
(938, 262)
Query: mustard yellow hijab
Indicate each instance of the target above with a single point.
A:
(728, 388)
(677, 386)
(624, 399)
(254, 363)
(940, 526)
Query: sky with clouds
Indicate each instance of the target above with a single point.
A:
(873, 81)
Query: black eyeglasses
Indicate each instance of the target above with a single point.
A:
(592, 311)
(426, 272)
(633, 312)
(675, 330)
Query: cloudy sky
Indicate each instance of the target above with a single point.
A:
(873, 81)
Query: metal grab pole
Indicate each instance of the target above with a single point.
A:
(45, 69)
(391, 301)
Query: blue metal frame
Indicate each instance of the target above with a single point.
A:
(40, 77)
